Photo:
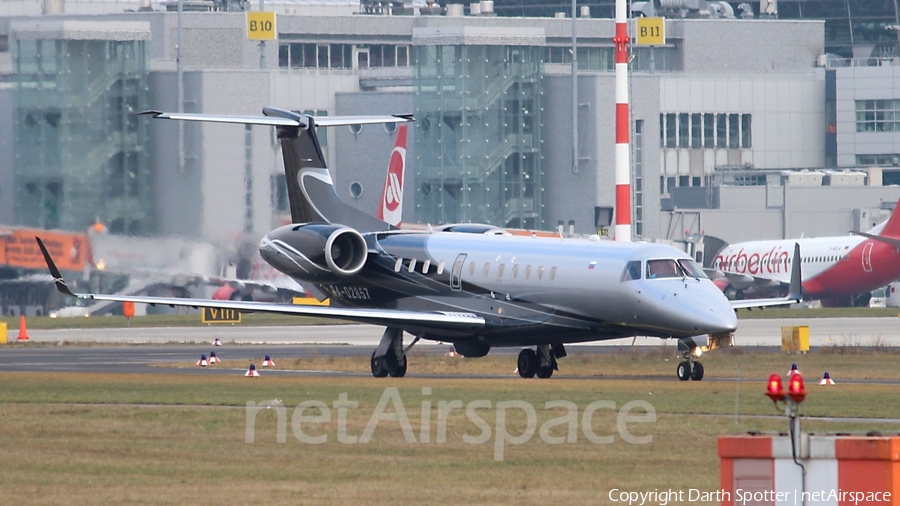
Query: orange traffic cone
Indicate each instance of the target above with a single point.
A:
(23, 329)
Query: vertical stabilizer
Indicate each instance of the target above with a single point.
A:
(892, 225)
(310, 189)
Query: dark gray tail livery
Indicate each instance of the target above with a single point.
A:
(310, 190)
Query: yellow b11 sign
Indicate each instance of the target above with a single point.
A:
(651, 32)
(261, 25)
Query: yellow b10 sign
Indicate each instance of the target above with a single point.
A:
(651, 32)
(261, 25)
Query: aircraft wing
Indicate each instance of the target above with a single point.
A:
(795, 291)
(413, 321)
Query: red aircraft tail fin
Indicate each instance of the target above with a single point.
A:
(892, 226)
(390, 207)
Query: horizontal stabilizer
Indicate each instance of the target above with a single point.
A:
(282, 118)
(880, 238)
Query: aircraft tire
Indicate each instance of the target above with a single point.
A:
(528, 363)
(400, 370)
(379, 367)
(544, 372)
(684, 371)
(697, 372)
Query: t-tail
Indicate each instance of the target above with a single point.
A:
(310, 189)
(390, 208)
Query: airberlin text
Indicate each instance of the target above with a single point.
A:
(773, 261)
(308, 417)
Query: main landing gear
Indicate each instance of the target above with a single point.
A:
(390, 356)
(540, 362)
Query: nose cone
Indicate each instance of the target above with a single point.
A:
(689, 308)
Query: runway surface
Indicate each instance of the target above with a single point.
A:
(143, 350)
(822, 332)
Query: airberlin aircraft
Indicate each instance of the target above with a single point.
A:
(475, 286)
(839, 271)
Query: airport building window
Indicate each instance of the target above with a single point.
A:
(721, 131)
(706, 130)
(300, 55)
(887, 159)
(878, 115)
(709, 130)
(683, 131)
(684, 180)
(638, 176)
(696, 128)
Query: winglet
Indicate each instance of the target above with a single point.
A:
(54, 271)
(796, 289)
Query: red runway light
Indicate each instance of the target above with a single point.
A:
(774, 388)
(795, 388)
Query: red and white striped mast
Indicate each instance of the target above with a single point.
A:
(623, 146)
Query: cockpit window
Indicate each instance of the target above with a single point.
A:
(692, 269)
(632, 271)
(667, 268)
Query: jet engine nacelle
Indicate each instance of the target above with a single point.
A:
(318, 252)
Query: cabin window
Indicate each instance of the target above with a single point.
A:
(552, 273)
(398, 265)
(632, 270)
(486, 270)
(471, 269)
(425, 266)
(540, 273)
(412, 265)
(666, 268)
(515, 271)
(527, 272)
(500, 270)
(692, 268)
(440, 269)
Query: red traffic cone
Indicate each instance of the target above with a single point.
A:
(268, 362)
(251, 373)
(217, 342)
(452, 352)
(23, 329)
(794, 370)
(202, 362)
(213, 358)
(826, 380)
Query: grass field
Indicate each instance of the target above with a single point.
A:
(181, 439)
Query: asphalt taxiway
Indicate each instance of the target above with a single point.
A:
(158, 350)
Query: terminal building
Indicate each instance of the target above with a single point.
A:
(725, 118)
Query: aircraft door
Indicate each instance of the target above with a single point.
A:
(867, 257)
(456, 272)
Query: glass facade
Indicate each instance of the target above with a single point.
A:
(477, 143)
(79, 146)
